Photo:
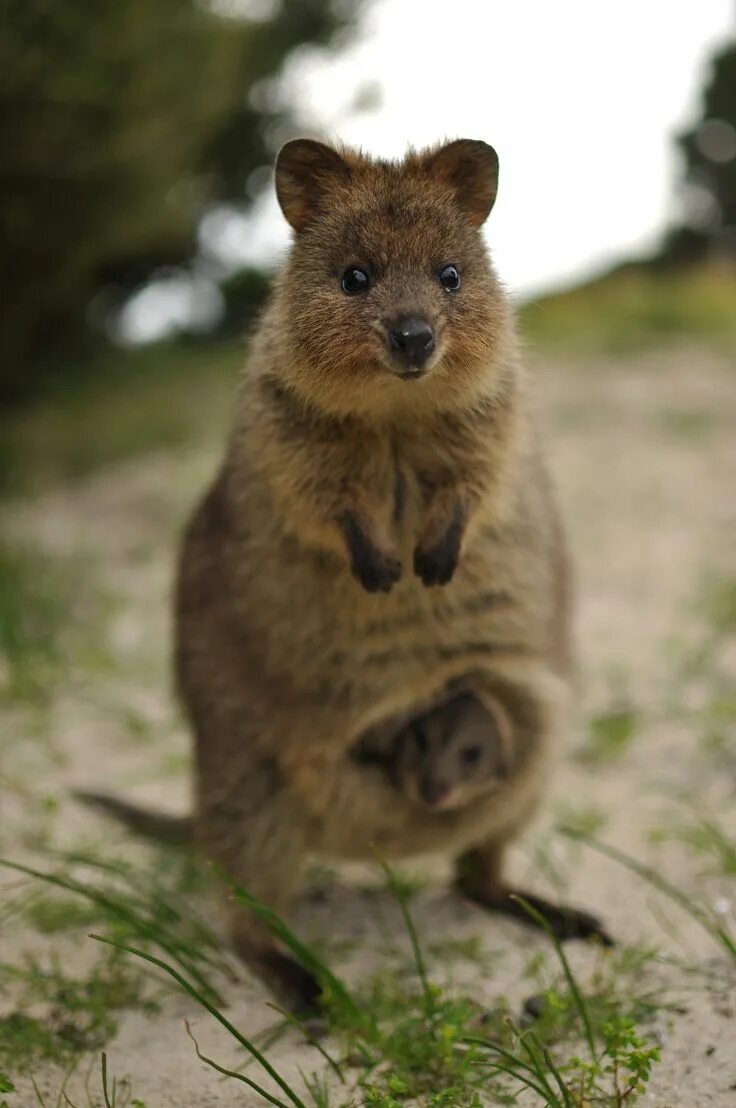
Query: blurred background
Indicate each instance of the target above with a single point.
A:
(136, 200)
(138, 230)
(139, 225)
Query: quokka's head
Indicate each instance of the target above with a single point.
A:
(388, 297)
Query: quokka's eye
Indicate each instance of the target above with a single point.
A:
(449, 278)
(471, 755)
(355, 280)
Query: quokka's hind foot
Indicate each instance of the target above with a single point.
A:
(294, 987)
(478, 880)
(564, 921)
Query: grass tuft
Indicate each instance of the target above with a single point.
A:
(633, 309)
(707, 920)
(400, 1037)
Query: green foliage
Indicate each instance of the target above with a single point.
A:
(119, 130)
(138, 906)
(709, 149)
(719, 607)
(621, 1074)
(127, 404)
(34, 610)
(58, 1015)
(715, 607)
(401, 1038)
(243, 294)
(53, 914)
(610, 734)
(636, 307)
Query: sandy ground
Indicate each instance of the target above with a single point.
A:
(644, 453)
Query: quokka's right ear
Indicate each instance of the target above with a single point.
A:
(305, 169)
(470, 168)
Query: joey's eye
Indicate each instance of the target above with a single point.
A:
(449, 278)
(471, 755)
(355, 280)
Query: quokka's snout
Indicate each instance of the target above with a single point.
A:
(411, 343)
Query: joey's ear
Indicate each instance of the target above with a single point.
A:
(304, 171)
(470, 168)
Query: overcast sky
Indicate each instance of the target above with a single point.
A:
(580, 98)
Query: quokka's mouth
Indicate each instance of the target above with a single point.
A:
(447, 803)
(411, 374)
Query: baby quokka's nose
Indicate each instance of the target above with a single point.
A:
(412, 342)
(435, 793)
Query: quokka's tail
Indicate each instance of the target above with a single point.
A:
(150, 824)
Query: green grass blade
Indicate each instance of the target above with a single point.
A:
(550, 1063)
(207, 937)
(400, 896)
(235, 1074)
(569, 976)
(37, 1091)
(722, 937)
(300, 1025)
(103, 1066)
(116, 909)
(514, 1064)
(301, 952)
(554, 1100)
(524, 1081)
(204, 1002)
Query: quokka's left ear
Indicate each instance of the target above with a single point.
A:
(470, 168)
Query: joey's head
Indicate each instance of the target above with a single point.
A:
(388, 297)
(452, 754)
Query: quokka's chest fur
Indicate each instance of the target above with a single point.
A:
(347, 648)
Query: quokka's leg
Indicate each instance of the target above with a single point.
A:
(248, 826)
(480, 879)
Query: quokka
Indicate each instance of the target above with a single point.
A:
(381, 528)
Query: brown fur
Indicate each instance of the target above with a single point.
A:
(337, 469)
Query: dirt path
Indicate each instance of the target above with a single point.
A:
(645, 457)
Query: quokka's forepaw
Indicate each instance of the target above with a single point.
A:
(377, 572)
(435, 563)
(435, 566)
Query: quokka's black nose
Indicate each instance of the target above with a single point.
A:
(412, 341)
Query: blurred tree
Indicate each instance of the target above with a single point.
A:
(242, 294)
(122, 121)
(709, 148)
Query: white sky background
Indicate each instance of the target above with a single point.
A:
(581, 99)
